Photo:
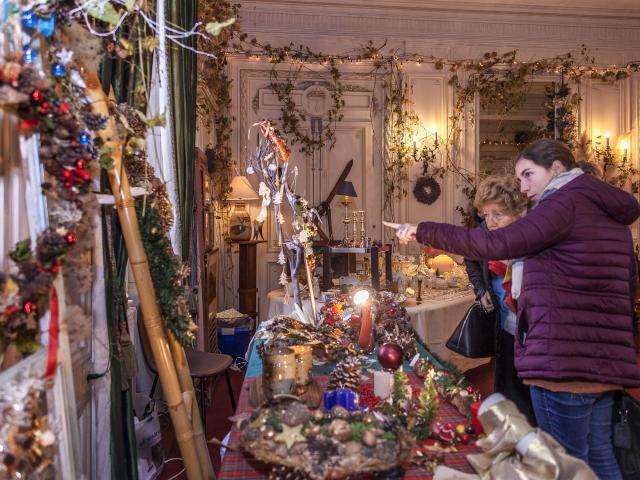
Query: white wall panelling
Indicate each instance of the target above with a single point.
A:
(454, 30)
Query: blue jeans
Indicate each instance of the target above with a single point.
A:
(581, 423)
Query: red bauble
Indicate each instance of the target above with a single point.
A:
(66, 174)
(71, 238)
(81, 164)
(36, 95)
(44, 107)
(84, 175)
(465, 438)
(10, 310)
(29, 307)
(470, 389)
(64, 108)
(390, 356)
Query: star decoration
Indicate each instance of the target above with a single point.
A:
(290, 435)
(259, 421)
(64, 56)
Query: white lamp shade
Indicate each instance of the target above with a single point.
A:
(241, 190)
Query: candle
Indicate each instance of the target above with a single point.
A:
(475, 422)
(366, 340)
(382, 384)
(304, 364)
(607, 135)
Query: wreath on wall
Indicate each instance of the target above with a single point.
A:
(427, 190)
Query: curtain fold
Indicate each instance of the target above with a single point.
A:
(183, 70)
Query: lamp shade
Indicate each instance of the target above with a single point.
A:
(241, 190)
(346, 188)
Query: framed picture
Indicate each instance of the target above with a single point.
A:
(212, 280)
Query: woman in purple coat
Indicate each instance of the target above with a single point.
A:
(574, 338)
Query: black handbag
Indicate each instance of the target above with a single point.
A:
(626, 435)
(475, 335)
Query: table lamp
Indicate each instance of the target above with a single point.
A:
(346, 190)
(240, 228)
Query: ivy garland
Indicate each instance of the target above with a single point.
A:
(213, 76)
(499, 80)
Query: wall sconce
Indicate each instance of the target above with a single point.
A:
(240, 227)
(624, 146)
(428, 153)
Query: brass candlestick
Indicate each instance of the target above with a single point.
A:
(346, 221)
(362, 244)
(419, 297)
(355, 221)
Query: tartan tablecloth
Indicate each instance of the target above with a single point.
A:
(237, 465)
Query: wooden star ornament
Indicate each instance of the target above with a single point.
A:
(290, 435)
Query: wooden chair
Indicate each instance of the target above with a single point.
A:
(202, 365)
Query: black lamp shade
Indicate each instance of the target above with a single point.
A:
(347, 189)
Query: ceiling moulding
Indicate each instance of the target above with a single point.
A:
(521, 32)
(618, 10)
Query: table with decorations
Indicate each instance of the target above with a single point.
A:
(372, 403)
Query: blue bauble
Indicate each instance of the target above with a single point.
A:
(85, 138)
(29, 55)
(58, 69)
(28, 19)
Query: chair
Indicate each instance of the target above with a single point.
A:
(202, 366)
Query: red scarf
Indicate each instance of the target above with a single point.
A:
(502, 270)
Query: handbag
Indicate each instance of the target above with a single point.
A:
(475, 335)
(626, 435)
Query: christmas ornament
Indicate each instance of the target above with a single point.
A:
(427, 190)
(346, 374)
(465, 438)
(390, 356)
(58, 69)
(28, 19)
(29, 55)
(460, 429)
(290, 435)
(446, 433)
(85, 138)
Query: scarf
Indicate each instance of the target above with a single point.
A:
(503, 270)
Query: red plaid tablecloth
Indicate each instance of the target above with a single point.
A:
(237, 465)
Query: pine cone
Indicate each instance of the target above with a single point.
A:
(280, 472)
(346, 374)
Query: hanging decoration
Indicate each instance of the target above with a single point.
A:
(69, 165)
(426, 190)
(270, 164)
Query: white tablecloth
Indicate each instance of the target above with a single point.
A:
(434, 320)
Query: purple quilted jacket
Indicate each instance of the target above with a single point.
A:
(575, 308)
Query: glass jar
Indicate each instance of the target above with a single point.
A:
(278, 371)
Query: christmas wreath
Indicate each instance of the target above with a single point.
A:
(427, 190)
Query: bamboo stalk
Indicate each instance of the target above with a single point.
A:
(186, 384)
(139, 265)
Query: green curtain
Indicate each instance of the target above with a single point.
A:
(183, 71)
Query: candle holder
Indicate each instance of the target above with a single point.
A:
(278, 371)
(304, 365)
(355, 226)
(419, 297)
(362, 232)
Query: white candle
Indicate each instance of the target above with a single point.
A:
(382, 384)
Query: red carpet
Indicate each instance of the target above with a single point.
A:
(218, 425)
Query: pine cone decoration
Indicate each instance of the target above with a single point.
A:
(404, 339)
(346, 374)
(280, 472)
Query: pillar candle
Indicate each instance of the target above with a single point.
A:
(382, 384)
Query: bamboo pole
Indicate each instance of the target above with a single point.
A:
(186, 384)
(139, 265)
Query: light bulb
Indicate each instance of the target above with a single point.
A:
(360, 297)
